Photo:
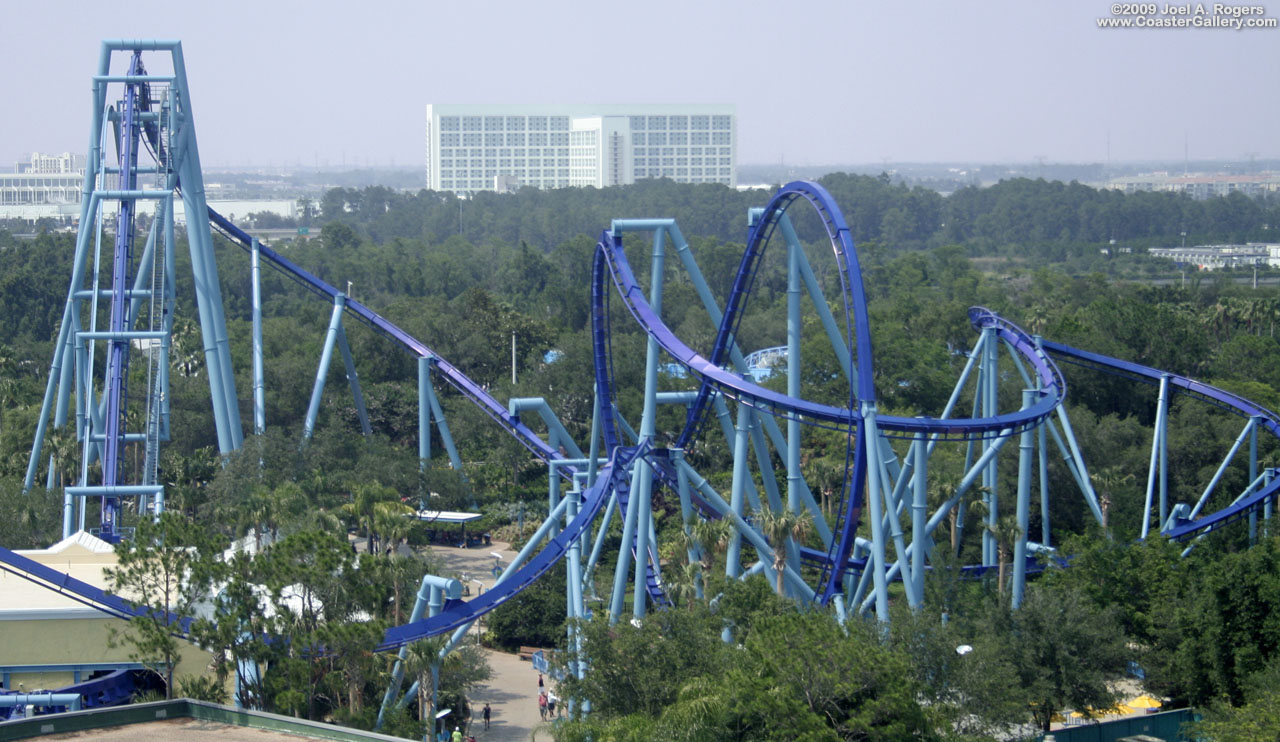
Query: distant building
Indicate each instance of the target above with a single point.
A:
(1199, 185)
(505, 147)
(1215, 257)
(48, 185)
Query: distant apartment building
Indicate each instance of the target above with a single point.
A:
(506, 147)
(1199, 185)
(48, 185)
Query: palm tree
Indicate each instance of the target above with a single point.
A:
(1038, 318)
(268, 510)
(1105, 483)
(9, 392)
(391, 522)
(65, 449)
(1271, 312)
(682, 586)
(1007, 534)
(712, 537)
(422, 662)
(185, 351)
(365, 498)
(697, 542)
(186, 476)
(942, 489)
(778, 526)
(828, 475)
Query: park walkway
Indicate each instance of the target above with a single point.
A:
(512, 692)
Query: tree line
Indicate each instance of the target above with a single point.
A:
(467, 276)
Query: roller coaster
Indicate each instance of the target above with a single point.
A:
(883, 515)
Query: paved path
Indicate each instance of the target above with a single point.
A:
(512, 692)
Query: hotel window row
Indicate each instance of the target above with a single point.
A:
(505, 147)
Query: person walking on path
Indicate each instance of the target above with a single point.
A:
(542, 705)
(457, 734)
(551, 704)
(539, 682)
(486, 716)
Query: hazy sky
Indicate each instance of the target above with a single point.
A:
(819, 82)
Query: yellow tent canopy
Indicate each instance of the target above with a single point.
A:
(1145, 702)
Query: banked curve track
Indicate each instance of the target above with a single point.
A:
(611, 266)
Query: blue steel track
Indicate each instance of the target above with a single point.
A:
(611, 267)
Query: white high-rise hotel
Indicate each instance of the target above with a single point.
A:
(504, 147)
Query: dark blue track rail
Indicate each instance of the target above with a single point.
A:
(603, 353)
(1221, 398)
(454, 615)
(611, 266)
(614, 475)
(83, 592)
(382, 325)
(611, 263)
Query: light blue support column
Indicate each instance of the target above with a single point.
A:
(322, 371)
(641, 496)
(764, 465)
(834, 335)
(940, 514)
(601, 533)
(1253, 476)
(353, 380)
(1222, 468)
(795, 478)
(170, 303)
(642, 474)
(204, 271)
(892, 515)
(575, 607)
(431, 592)
(1075, 462)
(204, 268)
(876, 521)
(68, 508)
(624, 559)
(424, 412)
(1153, 469)
(1268, 475)
(990, 377)
(594, 447)
(574, 562)
(557, 434)
(442, 425)
(553, 485)
(1026, 449)
(1042, 458)
(733, 559)
(259, 405)
(66, 383)
(919, 516)
(1042, 454)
